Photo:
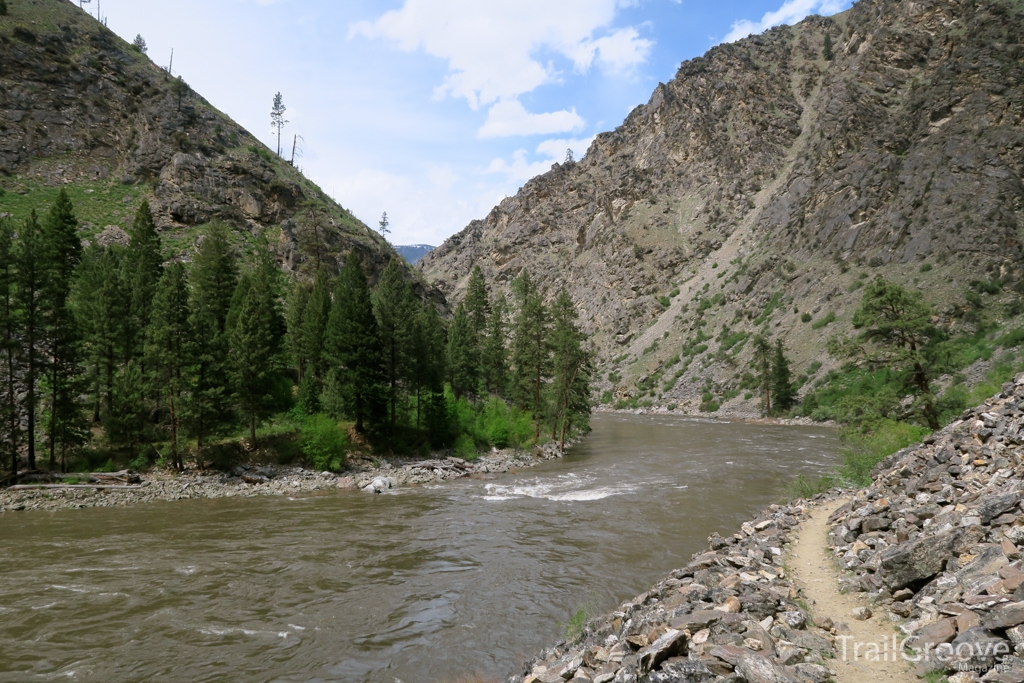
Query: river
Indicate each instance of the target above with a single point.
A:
(425, 584)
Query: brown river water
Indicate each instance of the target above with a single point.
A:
(425, 584)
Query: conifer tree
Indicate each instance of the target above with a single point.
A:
(212, 283)
(127, 424)
(167, 343)
(762, 364)
(255, 340)
(463, 362)
(572, 365)
(782, 385)
(100, 305)
(8, 348)
(493, 351)
(314, 329)
(393, 307)
(297, 300)
(428, 368)
(353, 346)
(63, 252)
(531, 356)
(143, 264)
(30, 289)
(477, 305)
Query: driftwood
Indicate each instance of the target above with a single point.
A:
(122, 477)
(446, 464)
(23, 487)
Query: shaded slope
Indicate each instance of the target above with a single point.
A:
(79, 108)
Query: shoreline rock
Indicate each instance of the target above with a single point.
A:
(248, 481)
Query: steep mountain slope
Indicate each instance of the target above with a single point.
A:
(79, 108)
(765, 181)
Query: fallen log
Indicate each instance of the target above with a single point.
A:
(24, 487)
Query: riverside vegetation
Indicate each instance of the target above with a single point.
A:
(110, 355)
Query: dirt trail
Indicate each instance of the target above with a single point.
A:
(815, 573)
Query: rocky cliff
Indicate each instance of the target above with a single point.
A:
(80, 109)
(759, 187)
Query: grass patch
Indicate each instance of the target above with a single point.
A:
(574, 627)
(824, 322)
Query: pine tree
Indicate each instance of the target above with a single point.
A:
(463, 362)
(782, 385)
(353, 346)
(212, 284)
(572, 365)
(127, 424)
(827, 51)
(762, 364)
(428, 368)
(255, 341)
(9, 423)
(297, 301)
(30, 260)
(167, 343)
(393, 307)
(477, 306)
(63, 252)
(314, 329)
(531, 357)
(493, 351)
(100, 305)
(143, 265)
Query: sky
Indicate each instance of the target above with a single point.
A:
(434, 110)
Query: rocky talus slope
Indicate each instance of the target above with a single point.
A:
(935, 543)
(80, 109)
(765, 182)
(732, 614)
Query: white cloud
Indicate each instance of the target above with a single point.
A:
(490, 46)
(620, 51)
(509, 117)
(520, 169)
(791, 12)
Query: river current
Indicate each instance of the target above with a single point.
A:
(423, 584)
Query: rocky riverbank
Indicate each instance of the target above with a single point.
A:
(732, 614)
(248, 481)
(935, 543)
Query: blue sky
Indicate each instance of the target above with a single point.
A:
(433, 110)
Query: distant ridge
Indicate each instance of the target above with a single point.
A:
(413, 252)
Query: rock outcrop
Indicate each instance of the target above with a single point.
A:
(764, 182)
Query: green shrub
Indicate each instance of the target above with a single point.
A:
(986, 286)
(465, 447)
(862, 450)
(827, 320)
(925, 267)
(805, 487)
(606, 397)
(323, 443)
(805, 318)
(672, 406)
(1011, 339)
(709, 407)
(664, 301)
